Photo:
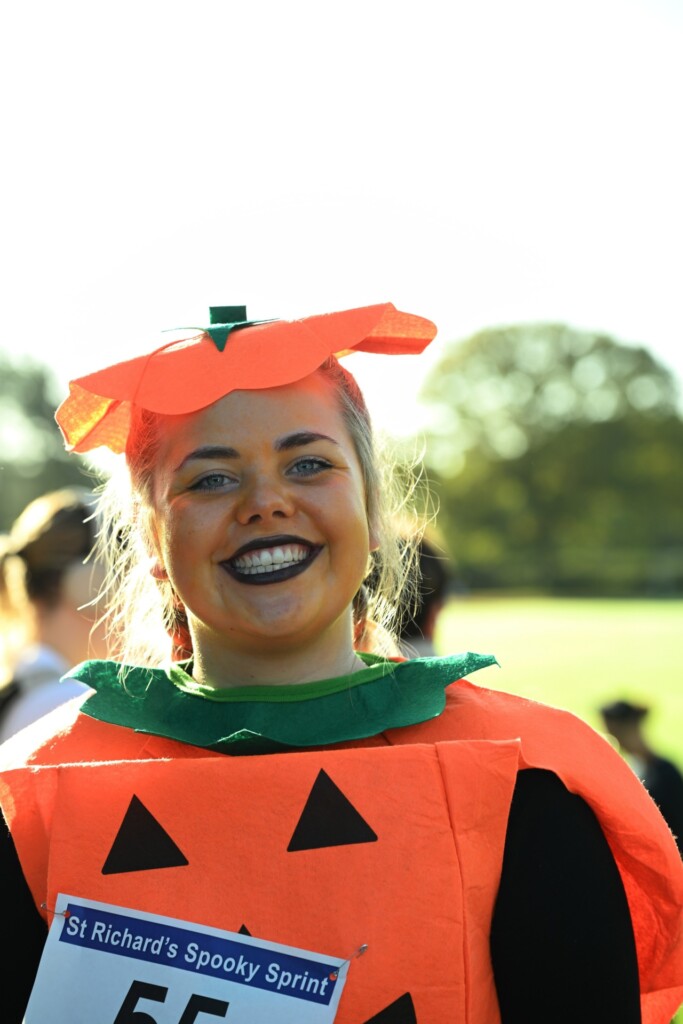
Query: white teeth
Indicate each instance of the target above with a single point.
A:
(270, 559)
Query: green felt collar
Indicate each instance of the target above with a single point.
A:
(260, 720)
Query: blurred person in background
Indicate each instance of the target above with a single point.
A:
(47, 611)
(660, 776)
(426, 581)
(420, 616)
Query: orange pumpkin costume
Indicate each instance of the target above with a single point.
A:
(102, 811)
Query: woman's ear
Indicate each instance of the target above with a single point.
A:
(373, 537)
(150, 538)
(157, 570)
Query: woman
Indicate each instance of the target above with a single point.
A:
(464, 854)
(47, 592)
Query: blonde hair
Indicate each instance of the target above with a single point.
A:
(147, 624)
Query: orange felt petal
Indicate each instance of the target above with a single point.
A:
(89, 421)
(190, 374)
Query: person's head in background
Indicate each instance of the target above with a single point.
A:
(624, 721)
(425, 581)
(421, 612)
(47, 587)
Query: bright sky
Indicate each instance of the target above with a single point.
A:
(477, 163)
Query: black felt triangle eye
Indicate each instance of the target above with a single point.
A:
(142, 844)
(401, 1011)
(329, 819)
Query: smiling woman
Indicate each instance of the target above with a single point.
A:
(311, 439)
(255, 764)
(259, 490)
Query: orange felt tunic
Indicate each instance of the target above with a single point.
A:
(410, 864)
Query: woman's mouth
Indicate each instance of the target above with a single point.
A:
(276, 560)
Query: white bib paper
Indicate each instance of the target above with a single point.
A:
(104, 964)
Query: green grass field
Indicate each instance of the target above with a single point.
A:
(578, 654)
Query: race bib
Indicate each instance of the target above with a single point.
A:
(104, 964)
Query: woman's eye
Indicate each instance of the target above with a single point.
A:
(212, 482)
(309, 466)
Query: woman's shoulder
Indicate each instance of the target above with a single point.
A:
(479, 711)
(39, 701)
(486, 711)
(26, 744)
(548, 738)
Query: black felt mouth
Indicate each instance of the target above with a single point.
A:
(261, 579)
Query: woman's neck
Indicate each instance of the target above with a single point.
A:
(222, 668)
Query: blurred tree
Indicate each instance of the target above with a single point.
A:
(505, 389)
(32, 456)
(567, 476)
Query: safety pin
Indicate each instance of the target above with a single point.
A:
(57, 913)
(354, 956)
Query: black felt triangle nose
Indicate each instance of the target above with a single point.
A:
(401, 1011)
(142, 844)
(329, 819)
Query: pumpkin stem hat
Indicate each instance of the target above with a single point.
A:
(232, 354)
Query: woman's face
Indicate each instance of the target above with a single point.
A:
(260, 519)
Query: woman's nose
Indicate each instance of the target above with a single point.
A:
(264, 498)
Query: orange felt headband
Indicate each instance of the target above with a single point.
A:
(186, 375)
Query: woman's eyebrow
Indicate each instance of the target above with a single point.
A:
(282, 444)
(299, 438)
(209, 451)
